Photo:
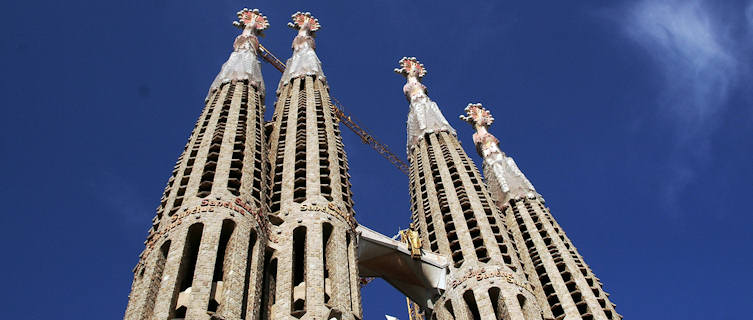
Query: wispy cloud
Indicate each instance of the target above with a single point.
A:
(692, 47)
(695, 47)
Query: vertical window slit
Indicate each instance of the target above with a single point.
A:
(184, 279)
(470, 302)
(324, 165)
(299, 182)
(207, 176)
(277, 168)
(298, 307)
(247, 281)
(269, 289)
(494, 297)
(448, 306)
(156, 280)
(349, 256)
(221, 260)
(326, 252)
(239, 145)
(192, 156)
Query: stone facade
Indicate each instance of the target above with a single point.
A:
(457, 218)
(205, 251)
(312, 270)
(257, 219)
(564, 285)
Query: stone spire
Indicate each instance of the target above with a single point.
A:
(242, 64)
(304, 60)
(312, 261)
(497, 165)
(204, 254)
(563, 284)
(456, 218)
(424, 116)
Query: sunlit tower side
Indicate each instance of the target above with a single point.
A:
(563, 281)
(204, 253)
(312, 272)
(457, 218)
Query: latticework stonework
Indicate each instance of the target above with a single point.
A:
(312, 270)
(564, 285)
(257, 219)
(457, 218)
(567, 285)
(204, 254)
(314, 276)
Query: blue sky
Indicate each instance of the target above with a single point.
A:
(632, 118)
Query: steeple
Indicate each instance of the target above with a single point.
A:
(424, 115)
(456, 218)
(304, 60)
(497, 165)
(313, 266)
(204, 254)
(242, 64)
(562, 282)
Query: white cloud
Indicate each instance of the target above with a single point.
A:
(701, 61)
(691, 46)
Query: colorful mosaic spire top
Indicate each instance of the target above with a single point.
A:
(477, 115)
(411, 67)
(304, 21)
(251, 18)
(242, 63)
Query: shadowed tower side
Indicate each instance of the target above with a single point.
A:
(457, 219)
(563, 282)
(312, 272)
(204, 253)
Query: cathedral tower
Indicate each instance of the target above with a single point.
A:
(563, 282)
(312, 272)
(204, 254)
(457, 218)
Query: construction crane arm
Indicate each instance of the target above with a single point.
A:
(348, 121)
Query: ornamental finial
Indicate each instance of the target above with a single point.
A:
(304, 21)
(477, 115)
(411, 67)
(251, 18)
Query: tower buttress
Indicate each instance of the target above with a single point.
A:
(457, 218)
(204, 253)
(564, 284)
(313, 268)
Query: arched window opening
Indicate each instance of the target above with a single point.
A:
(247, 281)
(219, 264)
(184, 279)
(470, 302)
(326, 252)
(350, 278)
(448, 307)
(155, 280)
(269, 289)
(494, 297)
(298, 307)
